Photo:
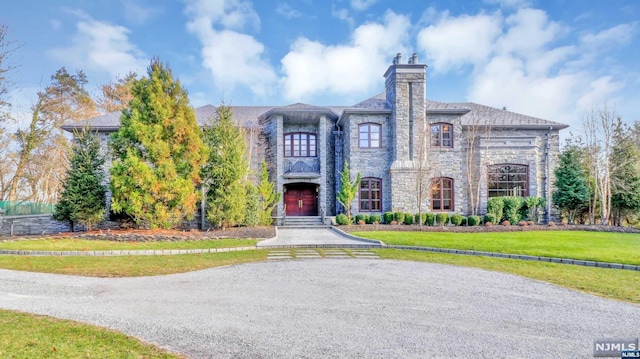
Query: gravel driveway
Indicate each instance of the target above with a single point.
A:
(333, 308)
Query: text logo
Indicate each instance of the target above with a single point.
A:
(613, 347)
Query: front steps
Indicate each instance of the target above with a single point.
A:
(304, 222)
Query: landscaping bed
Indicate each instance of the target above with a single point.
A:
(480, 229)
(150, 235)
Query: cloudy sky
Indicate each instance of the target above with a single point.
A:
(553, 59)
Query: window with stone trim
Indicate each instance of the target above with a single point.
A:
(442, 135)
(369, 135)
(300, 144)
(371, 194)
(442, 194)
(508, 179)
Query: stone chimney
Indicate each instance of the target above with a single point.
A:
(405, 93)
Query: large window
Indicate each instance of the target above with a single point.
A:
(300, 145)
(442, 194)
(370, 195)
(441, 135)
(508, 180)
(369, 135)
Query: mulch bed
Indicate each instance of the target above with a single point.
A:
(481, 229)
(147, 235)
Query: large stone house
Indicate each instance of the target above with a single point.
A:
(463, 153)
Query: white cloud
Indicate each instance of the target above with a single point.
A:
(527, 62)
(620, 34)
(136, 12)
(312, 68)
(456, 41)
(362, 5)
(343, 14)
(287, 11)
(102, 46)
(233, 58)
(509, 3)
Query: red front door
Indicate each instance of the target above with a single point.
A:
(301, 200)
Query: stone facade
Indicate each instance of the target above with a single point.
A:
(405, 155)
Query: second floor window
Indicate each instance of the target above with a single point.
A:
(441, 135)
(300, 145)
(369, 135)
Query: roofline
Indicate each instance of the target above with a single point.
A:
(284, 110)
(348, 111)
(550, 127)
(448, 111)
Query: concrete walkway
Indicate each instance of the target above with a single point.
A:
(315, 237)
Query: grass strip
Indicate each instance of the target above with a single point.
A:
(129, 266)
(609, 283)
(592, 246)
(75, 244)
(36, 336)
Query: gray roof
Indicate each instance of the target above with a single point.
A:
(249, 116)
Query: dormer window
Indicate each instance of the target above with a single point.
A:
(369, 135)
(300, 144)
(442, 135)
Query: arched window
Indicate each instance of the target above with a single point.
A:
(300, 144)
(371, 194)
(442, 194)
(442, 135)
(369, 135)
(508, 180)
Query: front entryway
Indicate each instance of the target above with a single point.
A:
(301, 199)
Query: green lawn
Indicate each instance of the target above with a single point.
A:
(594, 246)
(74, 244)
(617, 284)
(128, 266)
(35, 336)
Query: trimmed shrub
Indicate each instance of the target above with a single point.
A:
(342, 219)
(506, 223)
(398, 217)
(473, 220)
(408, 219)
(393, 223)
(512, 205)
(531, 223)
(362, 217)
(490, 218)
(495, 206)
(442, 218)
(361, 222)
(418, 220)
(488, 224)
(523, 223)
(430, 219)
(374, 218)
(552, 224)
(456, 219)
(388, 217)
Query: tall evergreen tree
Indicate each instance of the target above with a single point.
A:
(225, 170)
(572, 192)
(348, 189)
(158, 152)
(269, 197)
(83, 198)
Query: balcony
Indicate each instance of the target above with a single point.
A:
(301, 168)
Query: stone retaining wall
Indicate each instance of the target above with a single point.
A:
(33, 225)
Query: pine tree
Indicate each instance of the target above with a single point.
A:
(269, 197)
(572, 192)
(225, 170)
(348, 189)
(158, 152)
(83, 197)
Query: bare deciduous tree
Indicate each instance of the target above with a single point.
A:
(477, 130)
(116, 95)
